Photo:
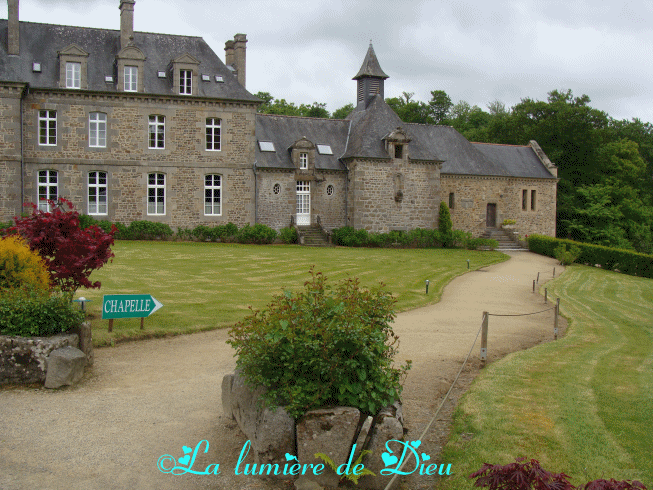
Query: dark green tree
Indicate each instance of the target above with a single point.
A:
(445, 225)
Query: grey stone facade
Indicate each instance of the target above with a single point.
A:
(140, 126)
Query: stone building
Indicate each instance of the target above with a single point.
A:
(127, 125)
(374, 171)
(132, 125)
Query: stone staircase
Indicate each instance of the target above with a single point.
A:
(506, 243)
(312, 236)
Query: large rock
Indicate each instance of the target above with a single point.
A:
(24, 359)
(330, 431)
(270, 430)
(65, 367)
(387, 426)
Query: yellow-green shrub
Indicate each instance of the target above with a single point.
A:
(20, 267)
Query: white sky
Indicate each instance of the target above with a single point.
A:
(477, 51)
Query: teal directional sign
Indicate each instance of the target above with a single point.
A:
(128, 306)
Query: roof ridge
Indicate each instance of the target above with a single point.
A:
(498, 144)
(301, 117)
(104, 29)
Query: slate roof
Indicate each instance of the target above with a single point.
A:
(40, 43)
(370, 66)
(361, 136)
(284, 131)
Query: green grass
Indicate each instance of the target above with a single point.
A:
(205, 286)
(582, 405)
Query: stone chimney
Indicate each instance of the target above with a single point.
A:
(126, 22)
(235, 56)
(13, 38)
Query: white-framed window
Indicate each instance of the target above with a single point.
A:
(185, 82)
(97, 130)
(303, 161)
(157, 132)
(48, 188)
(156, 193)
(97, 192)
(303, 197)
(213, 134)
(213, 195)
(48, 128)
(73, 75)
(131, 79)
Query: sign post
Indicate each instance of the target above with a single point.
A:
(128, 306)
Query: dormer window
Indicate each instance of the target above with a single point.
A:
(396, 144)
(73, 62)
(302, 154)
(185, 82)
(399, 151)
(130, 69)
(73, 75)
(303, 161)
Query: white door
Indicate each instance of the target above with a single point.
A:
(303, 203)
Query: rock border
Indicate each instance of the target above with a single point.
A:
(275, 436)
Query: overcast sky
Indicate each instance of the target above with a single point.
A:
(476, 51)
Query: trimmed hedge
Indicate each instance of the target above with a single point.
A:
(417, 238)
(624, 261)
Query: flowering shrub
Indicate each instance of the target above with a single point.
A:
(20, 267)
(70, 253)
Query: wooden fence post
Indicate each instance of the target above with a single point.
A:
(111, 325)
(533, 285)
(555, 321)
(546, 294)
(486, 317)
(538, 277)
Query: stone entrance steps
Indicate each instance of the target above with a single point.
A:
(312, 236)
(506, 243)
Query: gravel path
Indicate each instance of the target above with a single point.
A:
(145, 399)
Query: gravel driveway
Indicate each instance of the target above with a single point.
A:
(145, 399)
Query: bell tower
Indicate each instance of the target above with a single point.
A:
(370, 78)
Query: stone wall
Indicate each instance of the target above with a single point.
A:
(128, 160)
(328, 191)
(395, 194)
(471, 195)
(10, 204)
(24, 360)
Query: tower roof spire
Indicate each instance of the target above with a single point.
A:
(370, 66)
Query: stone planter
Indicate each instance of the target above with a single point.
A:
(333, 431)
(26, 360)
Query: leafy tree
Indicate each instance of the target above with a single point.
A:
(445, 225)
(439, 105)
(70, 253)
(343, 112)
(408, 110)
(271, 105)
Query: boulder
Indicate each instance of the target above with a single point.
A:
(270, 430)
(65, 366)
(330, 431)
(85, 341)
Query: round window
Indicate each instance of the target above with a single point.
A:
(330, 190)
(276, 189)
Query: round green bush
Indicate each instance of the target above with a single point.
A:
(322, 346)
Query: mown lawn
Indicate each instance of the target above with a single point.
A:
(212, 285)
(582, 405)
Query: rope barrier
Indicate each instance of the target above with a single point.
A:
(428, 426)
(524, 314)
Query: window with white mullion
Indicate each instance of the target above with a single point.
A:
(156, 194)
(213, 134)
(48, 128)
(97, 130)
(73, 75)
(185, 82)
(303, 161)
(157, 132)
(131, 79)
(97, 193)
(213, 195)
(48, 188)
